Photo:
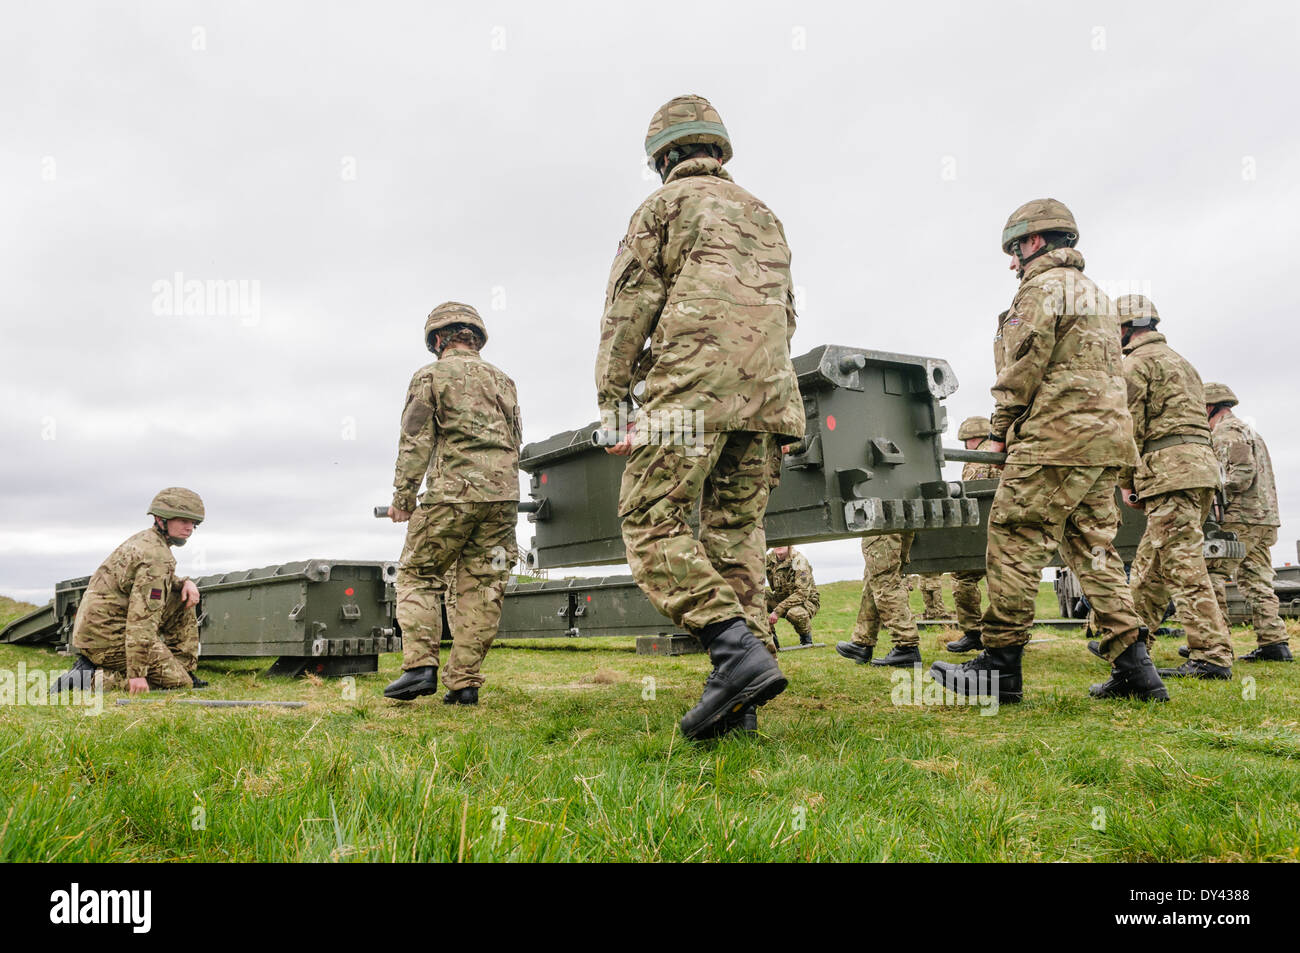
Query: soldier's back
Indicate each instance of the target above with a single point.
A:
(476, 414)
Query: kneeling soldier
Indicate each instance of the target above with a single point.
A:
(461, 427)
(793, 595)
(136, 621)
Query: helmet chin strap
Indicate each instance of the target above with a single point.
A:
(161, 525)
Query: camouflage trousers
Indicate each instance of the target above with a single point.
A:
(884, 593)
(476, 541)
(172, 656)
(966, 596)
(931, 586)
(800, 614)
(1254, 578)
(1170, 564)
(720, 575)
(1036, 510)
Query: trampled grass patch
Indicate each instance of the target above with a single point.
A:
(574, 754)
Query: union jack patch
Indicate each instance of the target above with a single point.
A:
(1013, 321)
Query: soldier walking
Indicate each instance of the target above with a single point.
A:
(460, 437)
(1062, 416)
(136, 621)
(791, 594)
(1251, 513)
(974, 433)
(1173, 484)
(699, 311)
(884, 602)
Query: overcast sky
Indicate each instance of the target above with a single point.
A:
(361, 162)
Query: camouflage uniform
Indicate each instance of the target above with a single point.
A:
(884, 594)
(700, 307)
(793, 594)
(1175, 482)
(461, 427)
(966, 583)
(1252, 513)
(132, 622)
(931, 586)
(1061, 410)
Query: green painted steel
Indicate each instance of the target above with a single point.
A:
(39, 625)
(608, 605)
(869, 463)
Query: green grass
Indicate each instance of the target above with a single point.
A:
(566, 759)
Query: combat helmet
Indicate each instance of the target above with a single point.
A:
(1220, 394)
(1136, 310)
(684, 121)
(448, 313)
(176, 502)
(1040, 215)
(974, 427)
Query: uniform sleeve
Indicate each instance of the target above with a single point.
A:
(149, 591)
(1138, 389)
(1028, 338)
(415, 446)
(1238, 461)
(635, 296)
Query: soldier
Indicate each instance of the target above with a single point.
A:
(931, 586)
(974, 432)
(460, 433)
(699, 312)
(1252, 514)
(884, 600)
(136, 621)
(1062, 415)
(1174, 486)
(793, 594)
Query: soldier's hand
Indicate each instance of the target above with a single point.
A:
(398, 516)
(624, 446)
(996, 446)
(138, 686)
(772, 617)
(189, 593)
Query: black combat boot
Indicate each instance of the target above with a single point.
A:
(744, 673)
(859, 653)
(413, 683)
(1132, 675)
(1185, 651)
(1273, 652)
(806, 639)
(901, 656)
(80, 676)
(196, 681)
(967, 643)
(993, 670)
(744, 722)
(1196, 668)
(461, 696)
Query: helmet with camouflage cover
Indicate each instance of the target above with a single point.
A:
(1040, 215)
(176, 502)
(1220, 394)
(449, 313)
(1136, 310)
(974, 427)
(683, 121)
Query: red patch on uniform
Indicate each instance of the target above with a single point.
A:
(155, 593)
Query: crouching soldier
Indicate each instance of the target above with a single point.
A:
(792, 595)
(136, 622)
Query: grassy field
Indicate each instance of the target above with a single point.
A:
(574, 754)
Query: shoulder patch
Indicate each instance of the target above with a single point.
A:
(155, 595)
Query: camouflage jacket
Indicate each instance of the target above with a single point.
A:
(1166, 399)
(999, 356)
(981, 471)
(1060, 397)
(702, 279)
(461, 427)
(1247, 474)
(126, 598)
(791, 580)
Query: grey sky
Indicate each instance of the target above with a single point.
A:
(362, 162)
